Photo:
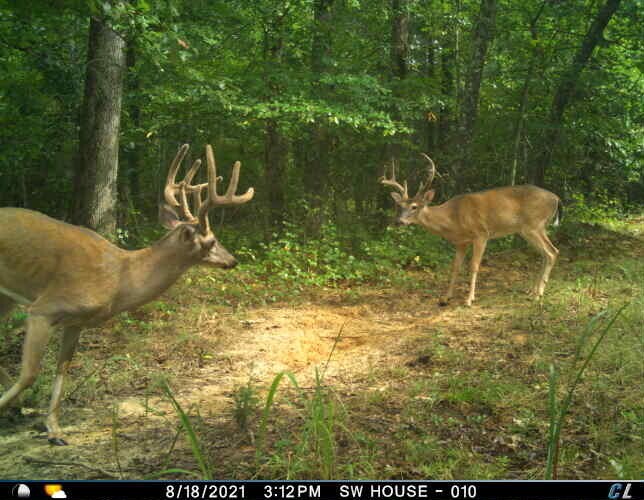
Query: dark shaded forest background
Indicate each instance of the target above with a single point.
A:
(314, 97)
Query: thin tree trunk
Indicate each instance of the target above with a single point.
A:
(481, 40)
(525, 91)
(399, 38)
(431, 120)
(135, 114)
(129, 179)
(275, 171)
(275, 144)
(95, 186)
(566, 87)
(399, 53)
(316, 169)
(448, 91)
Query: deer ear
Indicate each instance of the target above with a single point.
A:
(429, 196)
(397, 198)
(168, 217)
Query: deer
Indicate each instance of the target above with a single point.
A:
(475, 218)
(70, 277)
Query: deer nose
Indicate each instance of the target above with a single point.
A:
(231, 264)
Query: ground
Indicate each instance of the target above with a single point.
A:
(390, 385)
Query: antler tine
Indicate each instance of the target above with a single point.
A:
(198, 202)
(191, 173)
(393, 183)
(170, 184)
(229, 198)
(430, 177)
(186, 187)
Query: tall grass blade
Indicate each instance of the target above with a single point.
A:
(267, 407)
(555, 429)
(201, 459)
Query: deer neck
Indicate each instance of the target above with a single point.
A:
(436, 219)
(147, 273)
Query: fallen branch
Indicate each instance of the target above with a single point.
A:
(37, 461)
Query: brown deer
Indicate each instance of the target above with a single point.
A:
(475, 218)
(71, 277)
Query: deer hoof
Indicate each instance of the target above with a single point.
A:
(55, 441)
(443, 302)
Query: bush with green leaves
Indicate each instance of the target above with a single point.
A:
(295, 258)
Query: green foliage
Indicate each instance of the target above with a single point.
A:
(246, 403)
(558, 410)
(603, 208)
(205, 469)
(297, 261)
(311, 450)
(202, 72)
(406, 247)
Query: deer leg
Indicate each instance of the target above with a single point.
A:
(535, 241)
(67, 349)
(549, 262)
(478, 249)
(456, 268)
(538, 239)
(38, 330)
(6, 304)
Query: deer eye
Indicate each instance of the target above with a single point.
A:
(413, 207)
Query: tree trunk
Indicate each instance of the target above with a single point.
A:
(566, 88)
(275, 148)
(399, 38)
(129, 179)
(399, 52)
(431, 120)
(275, 144)
(134, 159)
(446, 118)
(316, 168)
(525, 90)
(481, 39)
(95, 186)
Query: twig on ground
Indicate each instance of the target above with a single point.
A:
(37, 461)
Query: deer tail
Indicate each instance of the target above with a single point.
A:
(558, 213)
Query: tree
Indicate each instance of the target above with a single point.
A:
(275, 143)
(525, 90)
(95, 189)
(399, 54)
(312, 96)
(566, 87)
(481, 40)
(316, 167)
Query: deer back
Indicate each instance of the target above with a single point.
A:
(493, 213)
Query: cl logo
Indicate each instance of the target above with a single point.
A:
(615, 491)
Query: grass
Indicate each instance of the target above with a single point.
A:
(409, 390)
(559, 410)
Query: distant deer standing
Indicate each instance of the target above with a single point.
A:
(475, 218)
(71, 277)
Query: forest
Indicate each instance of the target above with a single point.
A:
(325, 353)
